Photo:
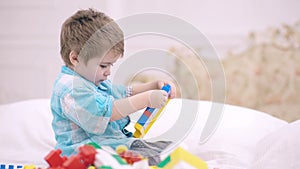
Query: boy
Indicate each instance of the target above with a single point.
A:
(86, 107)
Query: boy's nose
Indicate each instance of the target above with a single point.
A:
(107, 72)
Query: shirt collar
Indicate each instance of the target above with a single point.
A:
(67, 70)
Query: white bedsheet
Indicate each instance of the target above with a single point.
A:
(240, 140)
(26, 133)
(234, 142)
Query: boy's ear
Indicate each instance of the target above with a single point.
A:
(73, 58)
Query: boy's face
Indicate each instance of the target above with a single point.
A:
(97, 69)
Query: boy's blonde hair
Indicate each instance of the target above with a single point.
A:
(90, 33)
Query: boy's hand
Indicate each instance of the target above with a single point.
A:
(157, 98)
(161, 83)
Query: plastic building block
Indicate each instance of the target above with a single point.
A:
(29, 167)
(129, 156)
(121, 148)
(105, 167)
(91, 167)
(95, 145)
(87, 153)
(180, 158)
(10, 166)
(74, 162)
(82, 160)
(149, 117)
(54, 159)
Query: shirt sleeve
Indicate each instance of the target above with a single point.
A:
(89, 109)
(119, 91)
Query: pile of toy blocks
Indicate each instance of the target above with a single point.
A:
(92, 156)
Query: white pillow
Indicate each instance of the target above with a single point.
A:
(26, 132)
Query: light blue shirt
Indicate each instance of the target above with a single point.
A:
(82, 111)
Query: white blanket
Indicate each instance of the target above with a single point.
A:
(244, 138)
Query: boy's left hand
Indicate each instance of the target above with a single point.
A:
(161, 83)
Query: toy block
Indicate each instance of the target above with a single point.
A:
(129, 156)
(74, 162)
(54, 159)
(87, 153)
(149, 117)
(181, 157)
(29, 166)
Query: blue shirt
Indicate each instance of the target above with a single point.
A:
(82, 111)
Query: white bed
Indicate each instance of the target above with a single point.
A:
(244, 138)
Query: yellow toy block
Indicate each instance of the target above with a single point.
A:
(29, 166)
(149, 116)
(182, 157)
(121, 148)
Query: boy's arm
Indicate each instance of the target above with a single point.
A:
(124, 107)
(138, 88)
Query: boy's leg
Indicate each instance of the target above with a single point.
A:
(150, 150)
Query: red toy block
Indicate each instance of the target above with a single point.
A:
(130, 157)
(85, 158)
(74, 162)
(88, 154)
(59, 167)
(54, 159)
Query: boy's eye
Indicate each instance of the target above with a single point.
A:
(103, 66)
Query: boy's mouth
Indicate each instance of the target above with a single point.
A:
(100, 81)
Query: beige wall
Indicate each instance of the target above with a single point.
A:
(29, 32)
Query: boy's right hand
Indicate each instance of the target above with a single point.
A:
(151, 98)
(157, 98)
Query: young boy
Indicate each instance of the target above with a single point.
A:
(85, 105)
